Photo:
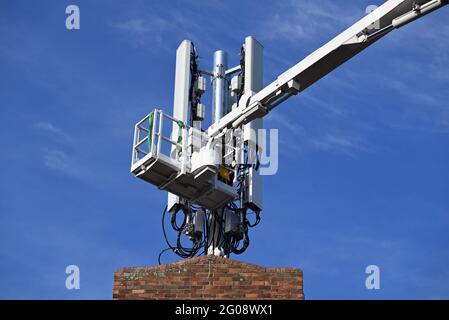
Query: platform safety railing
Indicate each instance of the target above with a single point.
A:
(148, 137)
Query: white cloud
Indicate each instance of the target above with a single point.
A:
(296, 138)
(58, 160)
(165, 32)
(48, 127)
(328, 109)
(338, 144)
(306, 19)
(145, 32)
(417, 106)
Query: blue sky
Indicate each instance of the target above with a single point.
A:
(363, 175)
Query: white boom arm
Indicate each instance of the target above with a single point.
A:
(391, 15)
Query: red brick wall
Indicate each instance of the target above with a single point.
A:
(208, 277)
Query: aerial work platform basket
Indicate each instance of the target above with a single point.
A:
(163, 160)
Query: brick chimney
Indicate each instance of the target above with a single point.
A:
(208, 277)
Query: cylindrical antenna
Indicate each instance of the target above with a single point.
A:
(219, 85)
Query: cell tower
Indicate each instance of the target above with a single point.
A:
(213, 184)
(211, 171)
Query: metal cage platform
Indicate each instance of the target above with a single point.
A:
(171, 171)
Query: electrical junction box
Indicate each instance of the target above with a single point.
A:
(201, 85)
(196, 228)
(253, 194)
(236, 84)
(233, 225)
(200, 111)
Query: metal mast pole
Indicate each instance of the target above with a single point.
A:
(220, 88)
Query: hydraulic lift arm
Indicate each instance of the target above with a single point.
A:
(393, 14)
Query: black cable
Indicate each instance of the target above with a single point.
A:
(174, 223)
(213, 233)
(245, 244)
(257, 213)
(179, 250)
(164, 232)
(161, 253)
(242, 72)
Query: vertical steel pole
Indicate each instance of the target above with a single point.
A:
(219, 108)
(219, 86)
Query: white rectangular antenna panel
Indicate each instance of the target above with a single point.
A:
(180, 100)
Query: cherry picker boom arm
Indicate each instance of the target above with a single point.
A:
(393, 14)
(209, 176)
